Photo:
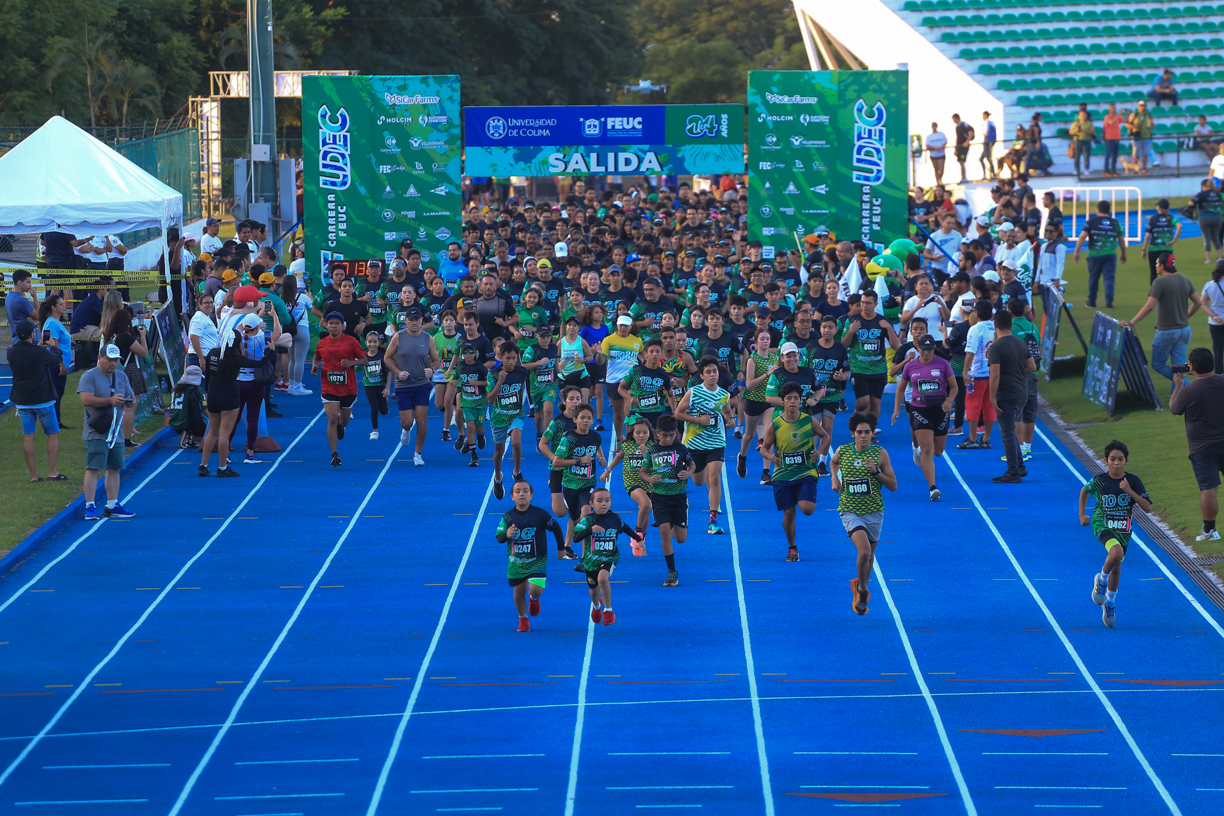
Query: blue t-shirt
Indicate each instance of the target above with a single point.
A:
(17, 308)
(452, 271)
(61, 336)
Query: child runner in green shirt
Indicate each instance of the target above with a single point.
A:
(1117, 493)
(523, 529)
(601, 527)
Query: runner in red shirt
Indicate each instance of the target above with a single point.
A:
(335, 357)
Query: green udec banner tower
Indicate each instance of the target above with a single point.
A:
(381, 157)
(827, 148)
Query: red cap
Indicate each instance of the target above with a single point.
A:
(247, 294)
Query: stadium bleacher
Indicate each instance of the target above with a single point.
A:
(1059, 53)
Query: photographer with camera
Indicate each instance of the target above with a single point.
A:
(1169, 295)
(1199, 402)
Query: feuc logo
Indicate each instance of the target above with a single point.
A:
(592, 128)
(495, 127)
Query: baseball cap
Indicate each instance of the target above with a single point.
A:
(468, 348)
(624, 320)
(189, 237)
(561, 249)
(811, 238)
(1006, 226)
(112, 351)
(991, 275)
(983, 220)
(413, 312)
(212, 222)
(267, 277)
(254, 321)
(333, 316)
(407, 242)
(229, 275)
(247, 294)
(821, 231)
(633, 257)
(544, 264)
(1167, 260)
(925, 343)
(614, 268)
(1008, 262)
(787, 348)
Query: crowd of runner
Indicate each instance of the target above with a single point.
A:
(658, 309)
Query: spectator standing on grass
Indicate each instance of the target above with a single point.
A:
(1161, 234)
(51, 319)
(990, 135)
(1111, 132)
(1212, 298)
(1105, 239)
(1140, 124)
(104, 391)
(1210, 206)
(964, 136)
(1082, 133)
(34, 395)
(18, 307)
(1162, 88)
(935, 144)
(1199, 402)
(1169, 296)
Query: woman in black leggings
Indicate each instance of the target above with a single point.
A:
(254, 345)
(224, 402)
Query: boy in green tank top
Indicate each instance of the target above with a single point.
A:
(790, 443)
(859, 469)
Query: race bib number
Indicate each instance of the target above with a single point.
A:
(795, 459)
(337, 377)
(858, 487)
(927, 387)
(602, 545)
(586, 471)
(527, 333)
(649, 401)
(374, 370)
(1119, 524)
(544, 374)
(871, 345)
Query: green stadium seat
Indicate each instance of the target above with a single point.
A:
(912, 5)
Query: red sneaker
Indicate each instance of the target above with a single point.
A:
(596, 613)
(533, 606)
(609, 617)
(860, 598)
(524, 625)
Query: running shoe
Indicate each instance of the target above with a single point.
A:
(373, 436)
(281, 386)
(568, 554)
(609, 617)
(272, 413)
(1007, 478)
(251, 459)
(793, 554)
(461, 443)
(741, 466)
(418, 460)
(204, 471)
(480, 440)
(499, 489)
(1212, 535)
(860, 598)
(673, 578)
(822, 469)
(758, 444)
(404, 438)
(935, 494)
(917, 452)
(984, 444)
(1108, 616)
(956, 431)
(446, 437)
(765, 478)
(524, 625)
(299, 391)
(1099, 585)
(340, 430)
(533, 606)
(1026, 454)
(226, 472)
(738, 433)
(335, 460)
(596, 613)
(517, 476)
(638, 547)
(465, 448)
(118, 512)
(969, 444)
(599, 426)
(1023, 471)
(475, 460)
(714, 529)
(91, 512)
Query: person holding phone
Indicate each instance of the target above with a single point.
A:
(130, 340)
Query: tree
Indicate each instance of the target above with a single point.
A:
(92, 54)
(130, 86)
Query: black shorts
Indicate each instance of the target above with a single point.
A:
(576, 499)
(701, 458)
(1028, 414)
(554, 481)
(754, 408)
(578, 379)
(224, 398)
(869, 385)
(516, 581)
(670, 508)
(928, 418)
(597, 371)
(345, 401)
(652, 416)
(1108, 537)
(613, 392)
(1207, 464)
(593, 575)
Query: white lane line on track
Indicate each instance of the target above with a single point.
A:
(966, 798)
(280, 638)
(93, 529)
(757, 723)
(1062, 636)
(169, 587)
(1135, 538)
(376, 798)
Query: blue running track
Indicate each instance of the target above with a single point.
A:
(309, 640)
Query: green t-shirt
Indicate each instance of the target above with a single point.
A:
(574, 446)
(1024, 328)
(795, 445)
(1104, 235)
(1113, 505)
(1161, 228)
(472, 381)
(666, 463)
(601, 549)
(510, 401)
(559, 427)
(632, 459)
(756, 393)
(529, 319)
(378, 312)
(649, 385)
(542, 376)
(866, 351)
(373, 373)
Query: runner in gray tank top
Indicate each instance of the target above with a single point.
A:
(412, 357)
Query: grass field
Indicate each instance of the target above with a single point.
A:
(1156, 439)
(28, 505)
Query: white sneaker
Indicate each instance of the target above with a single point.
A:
(1214, 535)
(373, 436)
(299, 391)
(918, 457)
(404, 438)
(418, 460)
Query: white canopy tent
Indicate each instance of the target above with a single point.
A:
(61, 179)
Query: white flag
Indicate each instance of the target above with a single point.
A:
(851, 280)
(1024, 266)
(881, 288)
